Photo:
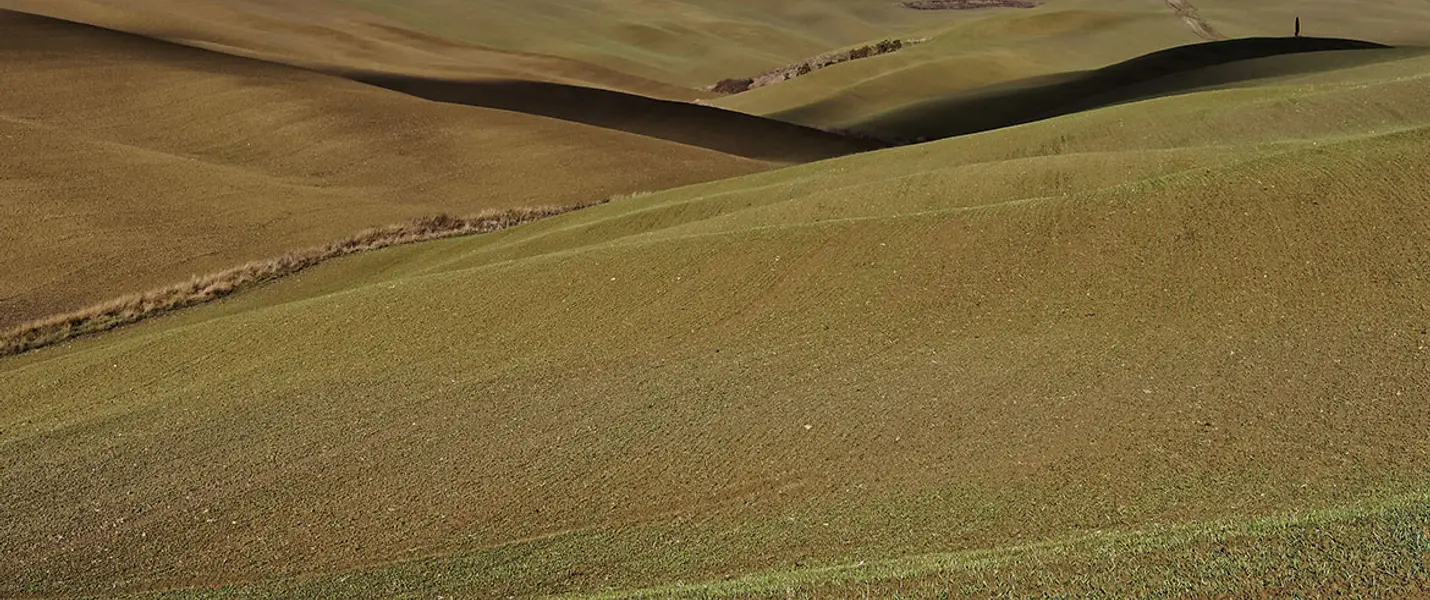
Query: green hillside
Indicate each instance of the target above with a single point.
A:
(991, 48)
(1171, 347)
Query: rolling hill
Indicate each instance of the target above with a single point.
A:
(691, 43)
(133, 162)
(1170, 347)
(988, 50)
(1166, 72)
(323, 34)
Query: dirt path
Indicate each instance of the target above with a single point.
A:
(1188, 13)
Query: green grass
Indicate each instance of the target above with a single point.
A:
(1147, 349)
(974, 50)
(1379, 547)
(998, 47)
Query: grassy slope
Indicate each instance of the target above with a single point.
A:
(1178, 70)
(133, 163)
(1200, 309)
(1397, 22)
(978, 48)
(988, 48)
(692, 43)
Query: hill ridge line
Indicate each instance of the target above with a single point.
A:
(600, 76)
(688, 123)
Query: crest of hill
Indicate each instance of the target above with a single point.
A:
(690, 43)
(133, 162)
(326, 35)
(1166, 72)
(979, 48)
(1056, 39)
(1393, 22)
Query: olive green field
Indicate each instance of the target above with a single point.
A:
(1059, 302)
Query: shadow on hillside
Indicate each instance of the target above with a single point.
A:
(692, 124)
(697, 125)
(1168, 72)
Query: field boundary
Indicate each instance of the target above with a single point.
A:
(133, 308)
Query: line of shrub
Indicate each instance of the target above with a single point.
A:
(966, 4)
(205, 288)
(787, 72)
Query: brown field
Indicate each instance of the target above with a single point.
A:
(324, 34)
(134, 163)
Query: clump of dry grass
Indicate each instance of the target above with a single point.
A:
(967, 4)
(200, 289)
(805, 67)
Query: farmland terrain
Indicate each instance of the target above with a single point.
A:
(133, 162)
(1002, 47)
(1166, 338)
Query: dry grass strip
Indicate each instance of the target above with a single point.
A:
(205, 288)
(967, 4)
(805, 67)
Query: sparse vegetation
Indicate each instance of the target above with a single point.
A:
(966, 4)
(733, 86)
(205, 288)
(805, 67)
(1199, 25)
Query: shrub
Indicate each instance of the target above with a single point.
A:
(733, 86)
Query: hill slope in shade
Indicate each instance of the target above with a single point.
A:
(133, 163)
(983, 48)
(993, 48)
(1162, 73)
(1206, 308)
